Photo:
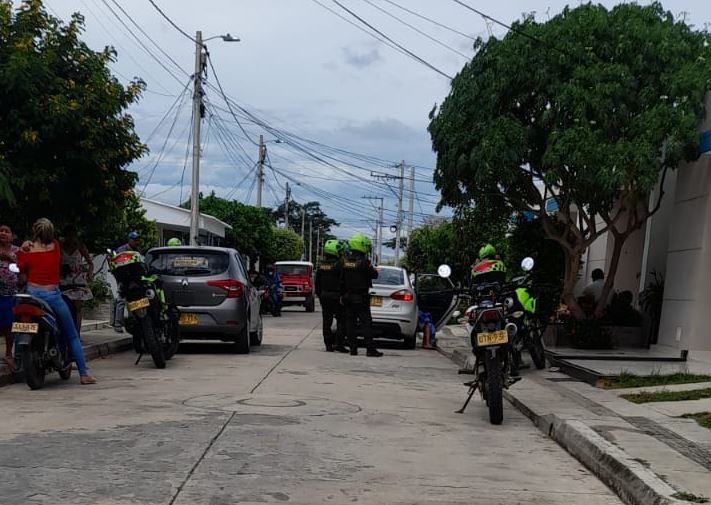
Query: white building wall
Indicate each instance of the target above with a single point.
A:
(686, 318)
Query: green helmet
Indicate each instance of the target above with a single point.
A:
(174, 242)
(330, 248)
(359, 243)
(488, 251)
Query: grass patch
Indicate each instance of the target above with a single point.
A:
(690, 497)
(703, 418)
(629, 380)
(669, 396)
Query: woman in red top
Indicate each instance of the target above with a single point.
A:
(39, 260)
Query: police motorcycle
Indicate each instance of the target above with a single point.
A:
(530, 324)
(152, 323)
(39, 346)
(491, 328)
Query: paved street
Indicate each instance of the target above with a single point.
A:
(287, 423)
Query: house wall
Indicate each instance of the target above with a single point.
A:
(686, 318)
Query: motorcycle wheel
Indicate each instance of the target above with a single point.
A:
(170, 348)
(536, 350)
(66, 373)
(151, 343)
(494, 388)
(34, 373)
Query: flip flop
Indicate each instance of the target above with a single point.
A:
(87, 380)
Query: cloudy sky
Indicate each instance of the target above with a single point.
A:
(301, 70)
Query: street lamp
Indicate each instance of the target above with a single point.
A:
(197, 118)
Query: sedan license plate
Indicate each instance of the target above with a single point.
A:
(492, 338)
(376, 301)
(25, 328)
(188, 320)
(138, 304)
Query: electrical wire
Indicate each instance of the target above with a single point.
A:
(172, 23)
(373, 28)
(437, 23)
(414, 28)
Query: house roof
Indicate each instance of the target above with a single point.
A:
(179, 218)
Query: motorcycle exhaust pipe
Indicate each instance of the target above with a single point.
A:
(511, 329)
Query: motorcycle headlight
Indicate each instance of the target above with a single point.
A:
(150, 294)
(509, 303)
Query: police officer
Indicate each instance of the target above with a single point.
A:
(327, 286)
(357, 276)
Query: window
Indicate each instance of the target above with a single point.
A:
(389, 277)
(300, 270)
(193, 263)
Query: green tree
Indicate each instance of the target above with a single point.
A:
(586, 111)
(65, 136)
(252, 231)
(314, 215)
(133, 218)
(287, 245)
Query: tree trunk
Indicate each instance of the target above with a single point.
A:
(618, 243)
(572, 267)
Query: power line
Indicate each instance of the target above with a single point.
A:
(172, 23)
(437, 23)
(410, 53)
(414, 28)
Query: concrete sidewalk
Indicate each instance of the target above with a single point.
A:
(646, 453)
(98, 341)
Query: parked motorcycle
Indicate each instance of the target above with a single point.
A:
(39, 346)
(151, 322)
(531, 325)
(491, 330)
(267, 305)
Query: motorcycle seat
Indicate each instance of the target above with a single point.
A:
(31, 300)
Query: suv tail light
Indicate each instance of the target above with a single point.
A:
(403, 295)
(27, 310)
(234, 288)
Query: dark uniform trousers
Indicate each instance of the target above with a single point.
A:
(358, 318)
(331, 308)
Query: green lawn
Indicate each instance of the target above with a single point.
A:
(669, 396)
(703, 418)
(628, 380)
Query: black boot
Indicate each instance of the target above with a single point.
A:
(329, 347)
(341, 348)
(373, 353)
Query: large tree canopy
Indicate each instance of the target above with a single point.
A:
(251, 232)
(586, 110)
(65, 138)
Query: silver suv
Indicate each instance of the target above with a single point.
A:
(211, 288)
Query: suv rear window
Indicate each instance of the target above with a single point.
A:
(293, 269)
(193, 263)
(389, 277)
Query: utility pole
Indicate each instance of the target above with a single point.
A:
(399, 214)
(303, 231)
(379, 228)
(260, 170)
(311, 240)
(318, 241)
(197, 118)
(286, 206)
(411, 204)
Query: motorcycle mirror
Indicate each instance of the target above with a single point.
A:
(444, 271)
(14, 268)
(527, 264)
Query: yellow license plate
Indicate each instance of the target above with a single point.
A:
(138, 304)
(188, 319)
(25, 328)
(492, 338)
(376, 301)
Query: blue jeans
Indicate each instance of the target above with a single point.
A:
(54, 299)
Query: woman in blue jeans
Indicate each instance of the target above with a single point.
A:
(39, 259)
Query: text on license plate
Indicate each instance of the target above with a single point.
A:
(376, 301)
(25, 327)
(188, 319)
(138, 304)
(492, 338)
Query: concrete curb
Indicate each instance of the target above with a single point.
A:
(629, 479)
